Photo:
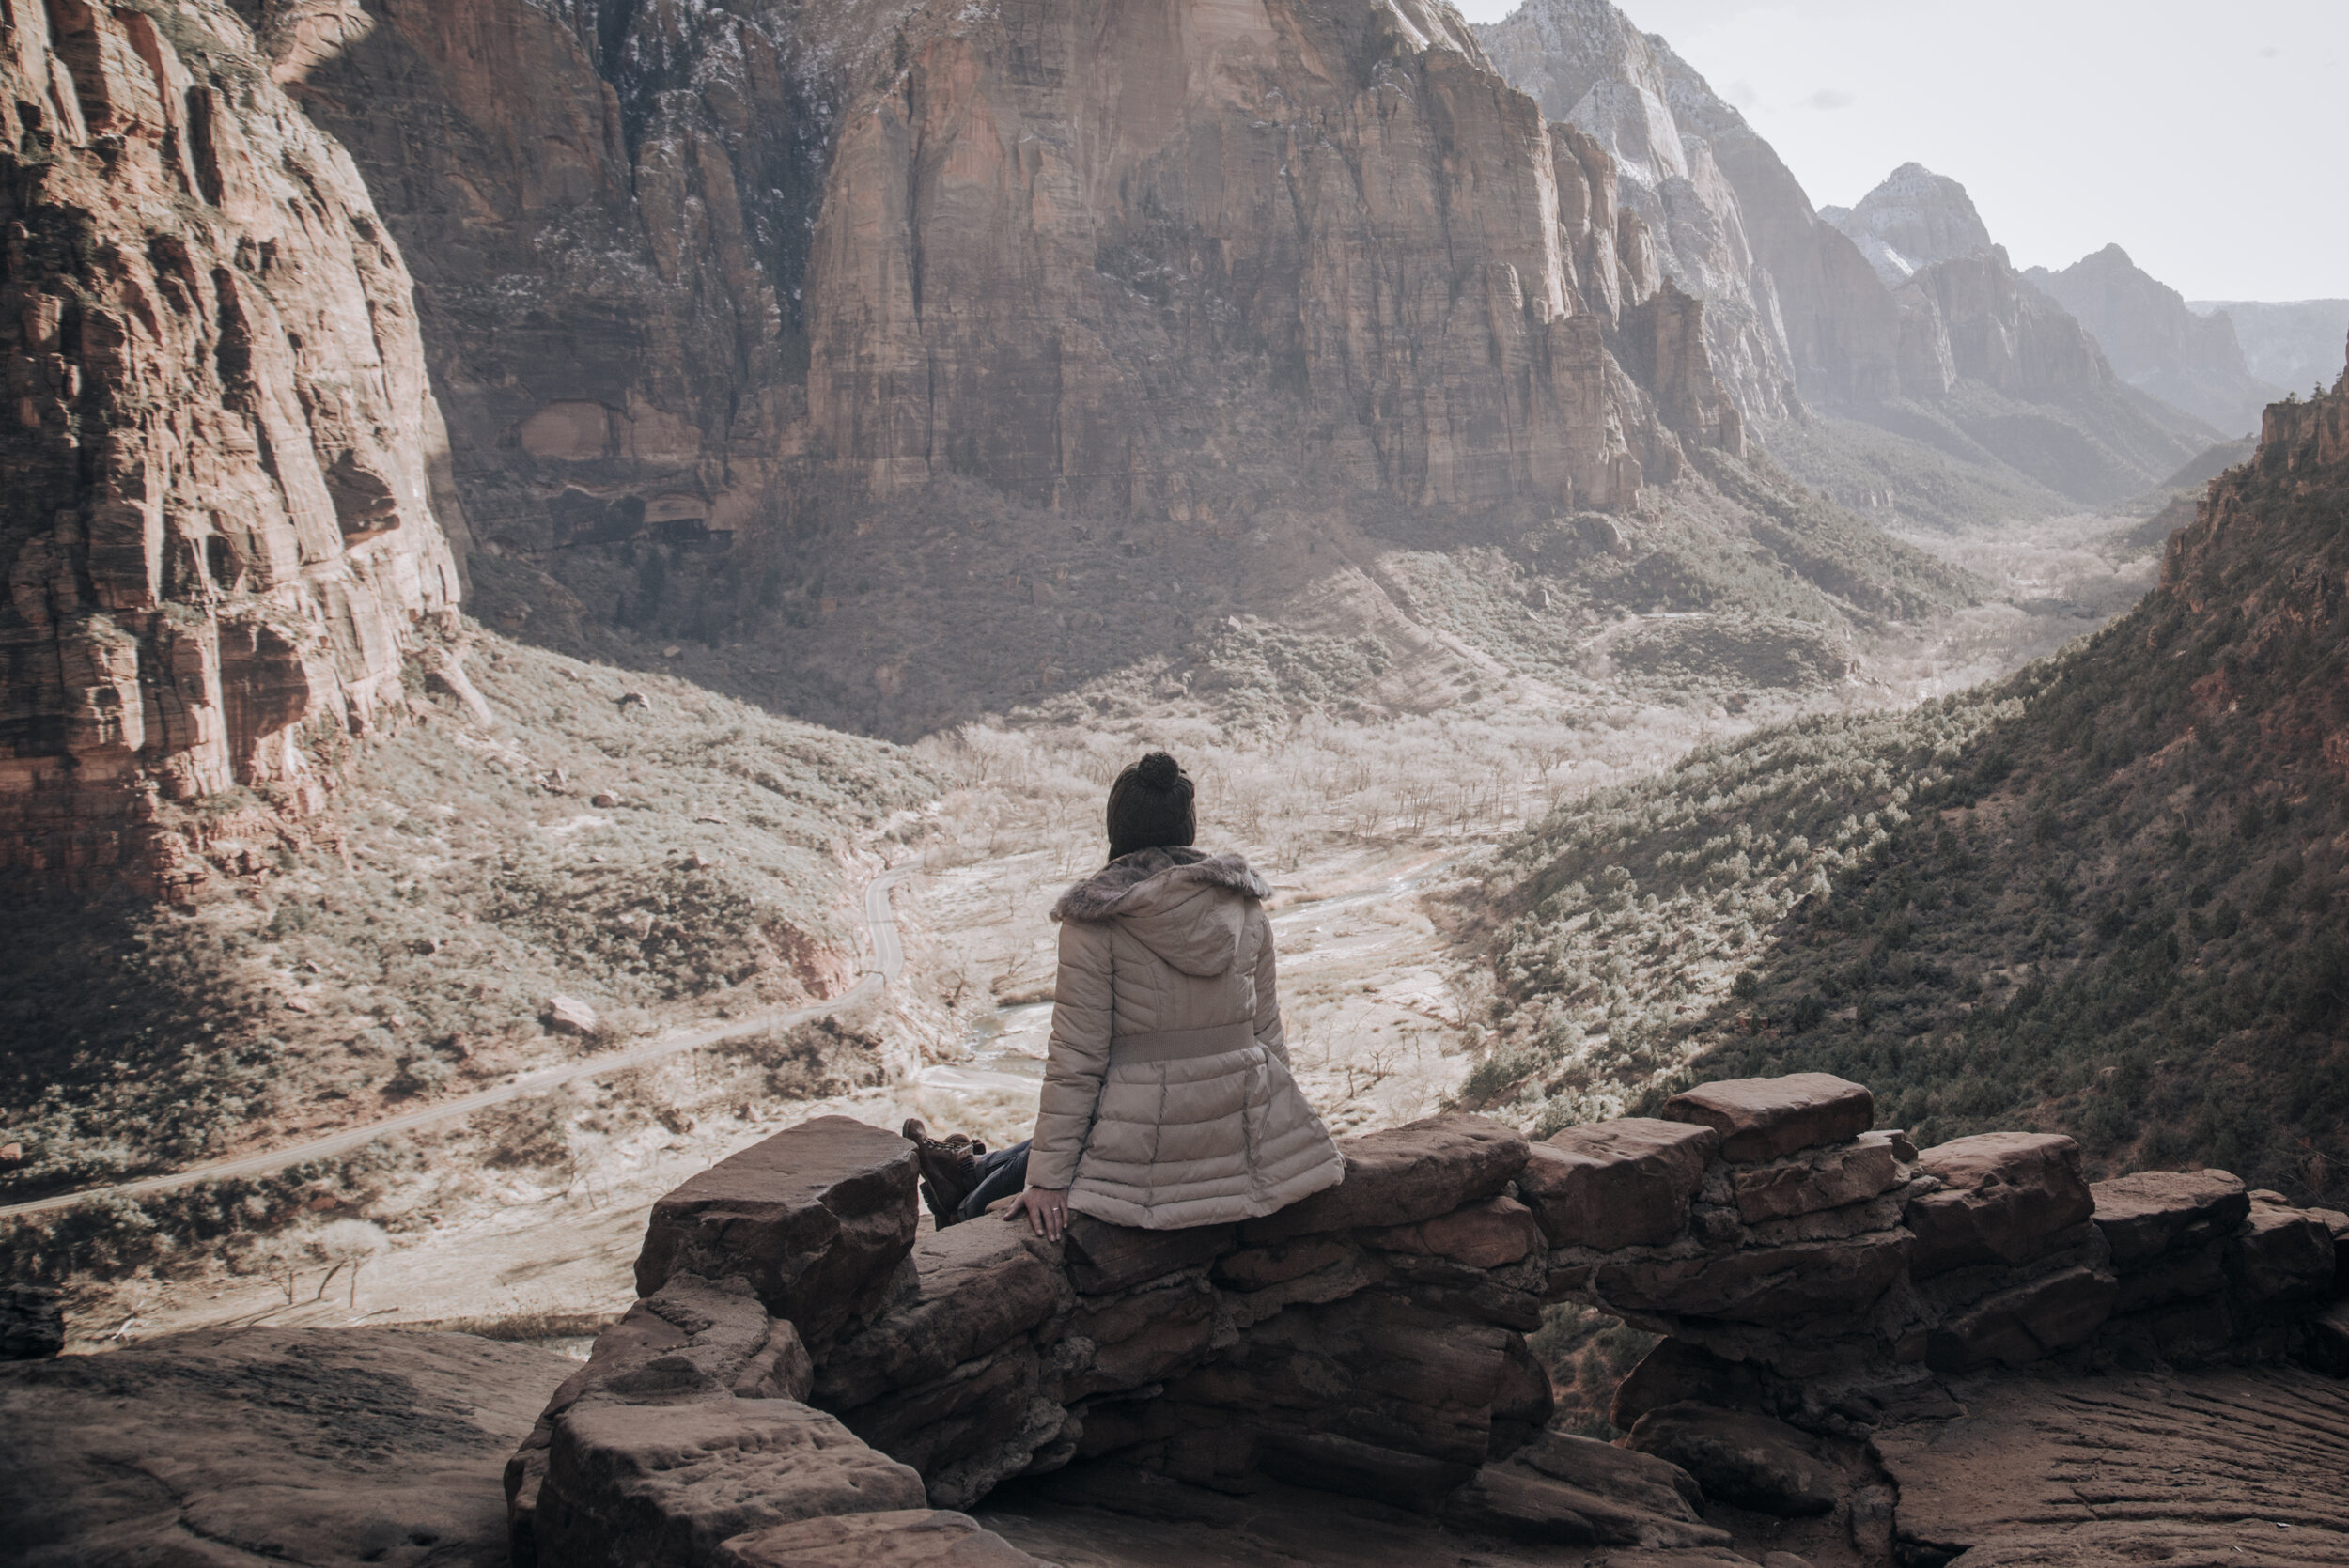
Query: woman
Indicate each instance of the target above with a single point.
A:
(1167, 1097)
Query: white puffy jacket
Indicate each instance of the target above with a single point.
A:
(1167, 1099)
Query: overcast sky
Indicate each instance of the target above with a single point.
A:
(2206, 136)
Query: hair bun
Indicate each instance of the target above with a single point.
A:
(1158, 770)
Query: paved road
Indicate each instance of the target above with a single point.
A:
(889, 962)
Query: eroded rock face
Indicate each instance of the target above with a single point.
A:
(714, 266)
(816, 1219)
(2008, 1197)
(664, 1486)
(1369, 1340)
(219, 521)
(1620, 1182)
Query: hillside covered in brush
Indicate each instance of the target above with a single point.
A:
(538, 826)
(2101, 898)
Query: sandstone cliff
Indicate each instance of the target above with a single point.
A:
(220, 522)
(2155, 342)
(694, 268)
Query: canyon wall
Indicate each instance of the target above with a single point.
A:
(695, 269)
(221, 519)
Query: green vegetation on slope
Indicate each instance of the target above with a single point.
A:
(2101, 898)
(633, 842)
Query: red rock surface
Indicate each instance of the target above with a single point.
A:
(2009, 1197)
(1764, 1118)
(817, 1219)
(220, 509)
(1617, 1184)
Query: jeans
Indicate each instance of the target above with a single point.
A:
(1002, 1175)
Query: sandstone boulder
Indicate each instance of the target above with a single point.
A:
(2008, 1197)
(663, 1486)
(1103, 1257)
(692, 1338)
(1488, 1235)
(1742, 1458)
(1403, 1175)
(2145, 1215)
(1327, 1462)
(900, 1539)
(1657, 1485)
(32, 1322)
(1829, 1179)
(2024, 1324)
(570, 1016)
(980, 1284)
(1624, 1183)
(1764, 1118)
(1256, 1268)
(2281, 1255)
(817, 1219)
(1141, 1338)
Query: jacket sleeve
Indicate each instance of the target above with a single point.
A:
(1079, 1056)
(1268, 1031)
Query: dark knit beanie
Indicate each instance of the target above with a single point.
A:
(1150, 807)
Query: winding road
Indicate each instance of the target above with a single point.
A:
(889, 962)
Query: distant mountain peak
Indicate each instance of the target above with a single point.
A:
(1915, 219)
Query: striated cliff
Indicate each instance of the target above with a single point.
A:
(220, 522)
(693, 268)
(1138, 255)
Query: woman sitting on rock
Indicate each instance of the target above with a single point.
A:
(1167, 1097)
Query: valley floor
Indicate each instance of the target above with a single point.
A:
(1360, 827)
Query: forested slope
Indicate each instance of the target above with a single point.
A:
(2103, 897)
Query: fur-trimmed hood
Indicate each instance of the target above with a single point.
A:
(1185, 905)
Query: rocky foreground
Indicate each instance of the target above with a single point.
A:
(1876, 1355)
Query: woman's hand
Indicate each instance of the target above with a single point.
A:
(1047, 1211)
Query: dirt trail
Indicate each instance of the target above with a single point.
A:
(889, 962)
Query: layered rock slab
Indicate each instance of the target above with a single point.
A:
(2157, 1465)
(817, 1219)
(666, 1485)
(336, 1448)
(1764, 1118)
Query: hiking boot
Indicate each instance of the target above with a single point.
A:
(949, 1169)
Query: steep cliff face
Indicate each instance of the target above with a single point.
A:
(1162, 257)
(2155, 342)
(1588, 67)
(219, 523)
(694, 267)
(610, 208)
